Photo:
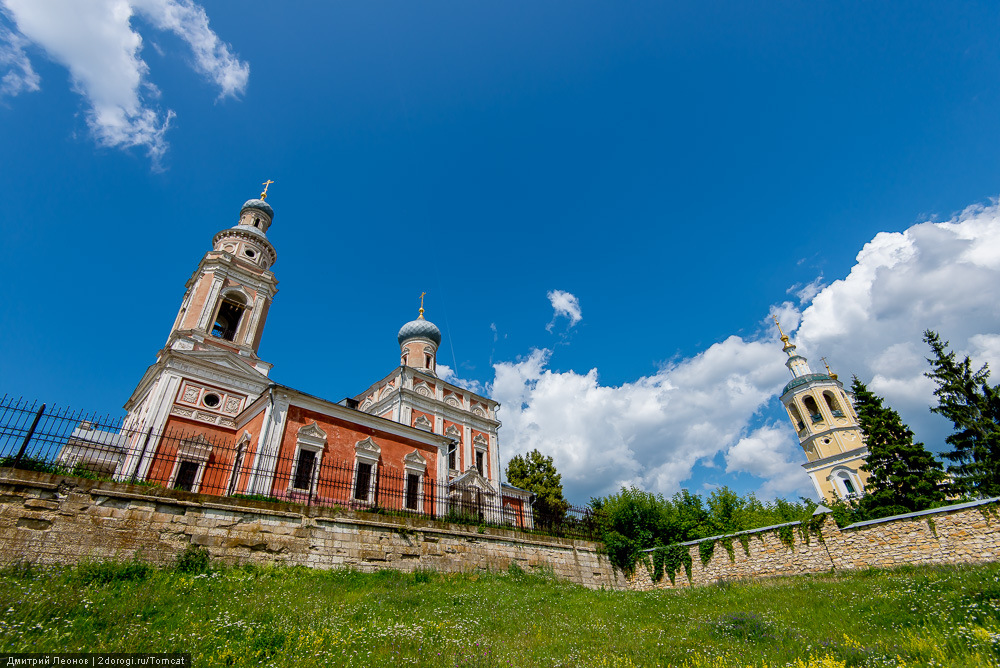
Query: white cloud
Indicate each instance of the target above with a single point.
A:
(95, 40)
(935, 275)
(771, 452)
(652, 432)
(448, 375)
(566, 305)
(20, 76)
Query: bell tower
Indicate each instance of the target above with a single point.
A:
(209, 370)
(827, 427)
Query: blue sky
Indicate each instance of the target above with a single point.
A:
(603, 203)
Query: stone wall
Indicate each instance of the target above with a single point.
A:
(47, 518)
(964, 533)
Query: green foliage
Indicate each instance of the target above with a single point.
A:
(113, 572)
(972, 405)
(256, 497)
(787, 536)
(932, 526)
(728, 544)
(904, 476)
(745, 542)
(706, 549)
(537, 474)
(634, 520)
(672, 559)
(194, 559)
(424, 575)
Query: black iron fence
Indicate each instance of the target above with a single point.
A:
(37, 437)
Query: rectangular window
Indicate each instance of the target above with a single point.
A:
(304, 470)
(480, 457)
(453, 456)
(363, 481)
(412, 489)
(186, 475)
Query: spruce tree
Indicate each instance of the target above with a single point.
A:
(904, 476)
(966, 398)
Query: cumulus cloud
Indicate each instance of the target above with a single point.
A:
(565, 305)
(934, 275)
(96, 41)
(651, 432)
(654, 431)
(771, 452)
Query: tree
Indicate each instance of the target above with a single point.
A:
(966, 398)
(905, 476)
(537, 474)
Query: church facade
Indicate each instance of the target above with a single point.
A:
(206, 416)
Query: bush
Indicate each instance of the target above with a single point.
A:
(194, 559)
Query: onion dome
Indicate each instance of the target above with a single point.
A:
(260, 205)
(420, 329)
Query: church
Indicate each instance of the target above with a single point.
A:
(827, 427)
(206, 416)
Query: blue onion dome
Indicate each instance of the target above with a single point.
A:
(260, 205)
(420, 329)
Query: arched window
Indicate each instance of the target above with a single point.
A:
(846, 483)
(812, 408)
(833, 404)
(796, 417)
(227, 320)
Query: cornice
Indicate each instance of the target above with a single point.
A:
(445, 410)
(850, 455)
(331, 409)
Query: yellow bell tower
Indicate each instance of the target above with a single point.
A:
(827, 427)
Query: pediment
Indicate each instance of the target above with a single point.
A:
(312, 432)
(471, 479)
(480, 441)
(222, 361)
(367, 447)
(415, 461)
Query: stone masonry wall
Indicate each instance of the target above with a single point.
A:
(964, 533)
(47, 518)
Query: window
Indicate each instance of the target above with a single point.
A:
(812, 409)
(831, 402)
(480, 458)
(362, 482)
(367, 454)
(227, 321)
(453, 456)
(310, 443)
(187, 474)
(796, 417)
(412, 490)
(304, 470)
(211, 400)
(415, 466)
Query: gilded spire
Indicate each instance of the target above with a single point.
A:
(831, 374)
(266, 184)
(422, 305)
(784, 337)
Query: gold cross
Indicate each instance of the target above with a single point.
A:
(422, 304)
(267, 183)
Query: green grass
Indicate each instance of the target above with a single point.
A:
(250, 616)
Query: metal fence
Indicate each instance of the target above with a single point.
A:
(36, 437)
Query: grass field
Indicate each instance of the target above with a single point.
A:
(297, 617)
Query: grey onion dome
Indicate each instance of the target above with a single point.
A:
(420, 329)
(260, 205)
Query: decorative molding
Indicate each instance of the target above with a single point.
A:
(368, 450)
(233, 404)
(453, 432)
(191, 394)
(452, 401)
(423, 423)
(415, 462)
(480, 442)
(311, 435)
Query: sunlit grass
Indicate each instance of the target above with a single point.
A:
(298, 617)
